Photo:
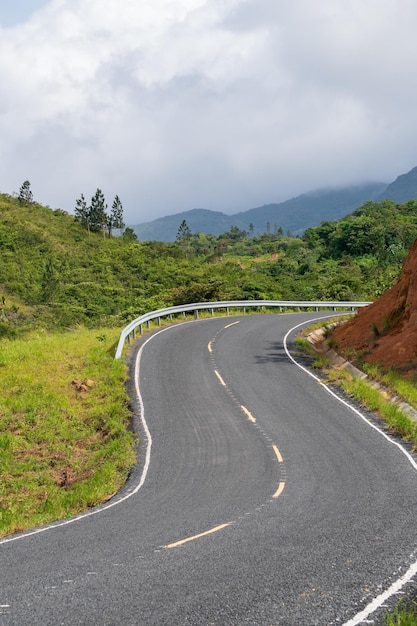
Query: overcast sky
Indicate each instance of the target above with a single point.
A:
(220, 104)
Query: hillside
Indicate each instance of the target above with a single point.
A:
(385, 332)
(54, 274)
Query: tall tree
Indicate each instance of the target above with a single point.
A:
(115, 219)
(184, 232)
(25, 194)
(183, 237)
(82, 212)
(98, 215)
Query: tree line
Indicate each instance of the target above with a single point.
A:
(95, 218)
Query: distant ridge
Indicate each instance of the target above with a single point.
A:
(293, 216)
(198, 220)
(403, 188)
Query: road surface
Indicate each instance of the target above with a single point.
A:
(259, 498)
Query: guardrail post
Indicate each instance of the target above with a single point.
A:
(196, 314)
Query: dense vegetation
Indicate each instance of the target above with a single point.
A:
(56, 275)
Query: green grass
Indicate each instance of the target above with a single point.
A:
(379, 399)
(62, 449)
(402, 615)
(406, 388)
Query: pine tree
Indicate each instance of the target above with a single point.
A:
(184, 232)
(183, 237)
(115, 219)
(98, 216)
(25, 194)
(82, 212)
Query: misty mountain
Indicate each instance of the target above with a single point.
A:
(293, 216)
(198, 220)
(403, 188)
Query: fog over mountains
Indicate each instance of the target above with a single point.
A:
(293, 216)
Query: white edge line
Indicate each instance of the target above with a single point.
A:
(412, 571)
(144, 473)
(379, 600)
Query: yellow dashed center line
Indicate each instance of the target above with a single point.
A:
(248, 414)
(232, 324)
(279, 490)
(220, 378)
(278, 454)
(282, 483)
(210, 346)
(194, 537)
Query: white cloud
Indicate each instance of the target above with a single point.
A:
(225, 104)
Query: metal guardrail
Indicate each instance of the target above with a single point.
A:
(129, 331)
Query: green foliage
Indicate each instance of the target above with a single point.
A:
(25, 193)
(115, 219)
(184, 232)
(129, 234)
(82, 212)
(98, 215)
(94, 218)
(382, 230)
(60, 276)
(183, 238)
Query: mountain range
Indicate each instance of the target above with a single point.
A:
(293, 216)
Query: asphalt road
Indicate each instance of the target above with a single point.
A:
(258, 498)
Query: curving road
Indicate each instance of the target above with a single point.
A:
(259, 498)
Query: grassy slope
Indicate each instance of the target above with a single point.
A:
(62, 449)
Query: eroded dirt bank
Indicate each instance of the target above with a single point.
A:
(386, 331)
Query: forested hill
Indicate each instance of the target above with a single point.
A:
(56, 274)
(294, 215)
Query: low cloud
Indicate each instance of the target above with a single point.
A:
(176, 104)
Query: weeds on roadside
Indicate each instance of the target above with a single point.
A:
(392, 379)
(402, 615)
